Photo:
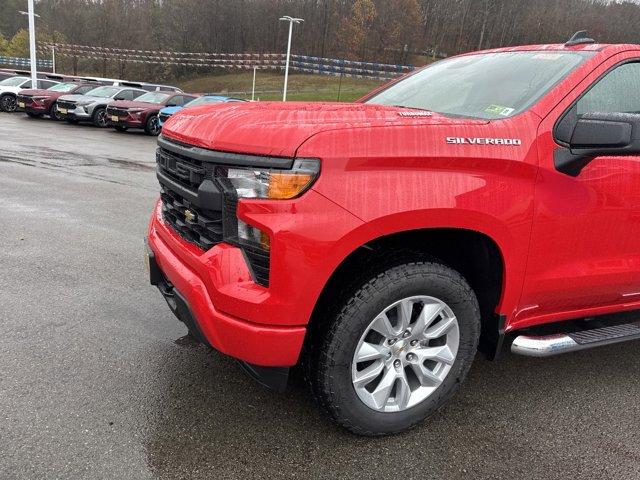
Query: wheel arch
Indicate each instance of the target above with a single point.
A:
(476, 255)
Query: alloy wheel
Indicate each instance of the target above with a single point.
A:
(154, 126)
(101, 118)
(405, 354)
(9, 103)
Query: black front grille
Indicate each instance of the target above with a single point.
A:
(120, 112)
(199, 205)
(187, 171)
(66, 104)
(196, 225)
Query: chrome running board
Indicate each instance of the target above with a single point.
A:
(549, 345)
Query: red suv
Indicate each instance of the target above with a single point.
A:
(143, 111)
(38, 102)
(380, 243)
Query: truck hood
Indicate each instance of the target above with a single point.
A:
(170, 110)
(37, 92)
(127, 104)
(9, 89)
(82, 98)
(278, 129)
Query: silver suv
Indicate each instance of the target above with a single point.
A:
(92, 106)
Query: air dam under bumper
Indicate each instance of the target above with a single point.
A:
(259, 345)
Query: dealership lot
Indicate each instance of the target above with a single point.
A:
(97, 379)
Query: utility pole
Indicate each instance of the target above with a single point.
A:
(253, 89)
(291, 21)
(53, 58)
(32, 43)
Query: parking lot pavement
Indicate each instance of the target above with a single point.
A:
(97, 380)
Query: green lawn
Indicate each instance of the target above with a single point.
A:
(302, 87)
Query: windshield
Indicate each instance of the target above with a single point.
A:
(486, 86)
(103, 92)
(63, 87)
(14, 81)
(153, 97)
(204, 100)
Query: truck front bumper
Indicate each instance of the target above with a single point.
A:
(186, 292)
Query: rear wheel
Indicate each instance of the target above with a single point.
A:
(8, 103)
(397, 349)
(152, 127)
(99, 117)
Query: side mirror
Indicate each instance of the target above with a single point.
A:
(598, 134)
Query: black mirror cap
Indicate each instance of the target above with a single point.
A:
(598, 134)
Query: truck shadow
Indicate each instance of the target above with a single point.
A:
(511, 418)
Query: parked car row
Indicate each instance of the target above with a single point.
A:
(119, 104)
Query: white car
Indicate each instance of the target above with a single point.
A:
(10, 87)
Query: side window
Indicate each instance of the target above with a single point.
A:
(136, 93)
(178, 101)
(83, 90)
(46, 84)
(26, 84)
(618, 91)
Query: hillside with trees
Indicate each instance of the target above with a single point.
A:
(392, 31)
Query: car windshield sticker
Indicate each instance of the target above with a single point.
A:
(499, 110)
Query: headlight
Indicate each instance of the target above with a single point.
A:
(274, 184)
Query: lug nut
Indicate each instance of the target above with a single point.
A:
(414, 343)
(397, 364)
(406, 334)
(392, 341)
(411, 357)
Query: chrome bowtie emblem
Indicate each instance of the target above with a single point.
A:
(189, 216)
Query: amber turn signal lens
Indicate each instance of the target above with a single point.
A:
(287, 185)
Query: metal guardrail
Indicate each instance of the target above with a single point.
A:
(24, 62)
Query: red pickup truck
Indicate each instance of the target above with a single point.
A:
(489, 196)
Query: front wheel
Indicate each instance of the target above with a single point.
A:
(54, 114)
(397, 349)
(99, 117)
(8, 103)
(152, 127)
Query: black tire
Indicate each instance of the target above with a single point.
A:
(99, 117)
(334, 345)
(34, 115)
(54, 114)
(121, 128)
(152, 127)
(8, 103)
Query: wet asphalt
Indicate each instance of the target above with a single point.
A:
(97, 379)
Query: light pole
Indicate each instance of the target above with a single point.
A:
(32, 43)
(291, 21)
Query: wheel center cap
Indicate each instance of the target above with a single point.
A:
(399, 347)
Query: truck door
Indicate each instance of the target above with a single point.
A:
(585, 246)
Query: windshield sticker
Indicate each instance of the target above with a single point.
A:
(499, 110)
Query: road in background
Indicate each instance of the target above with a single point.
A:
(97, 379)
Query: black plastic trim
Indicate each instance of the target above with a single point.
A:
(493, 336)
(273, 378)
(224, 158)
